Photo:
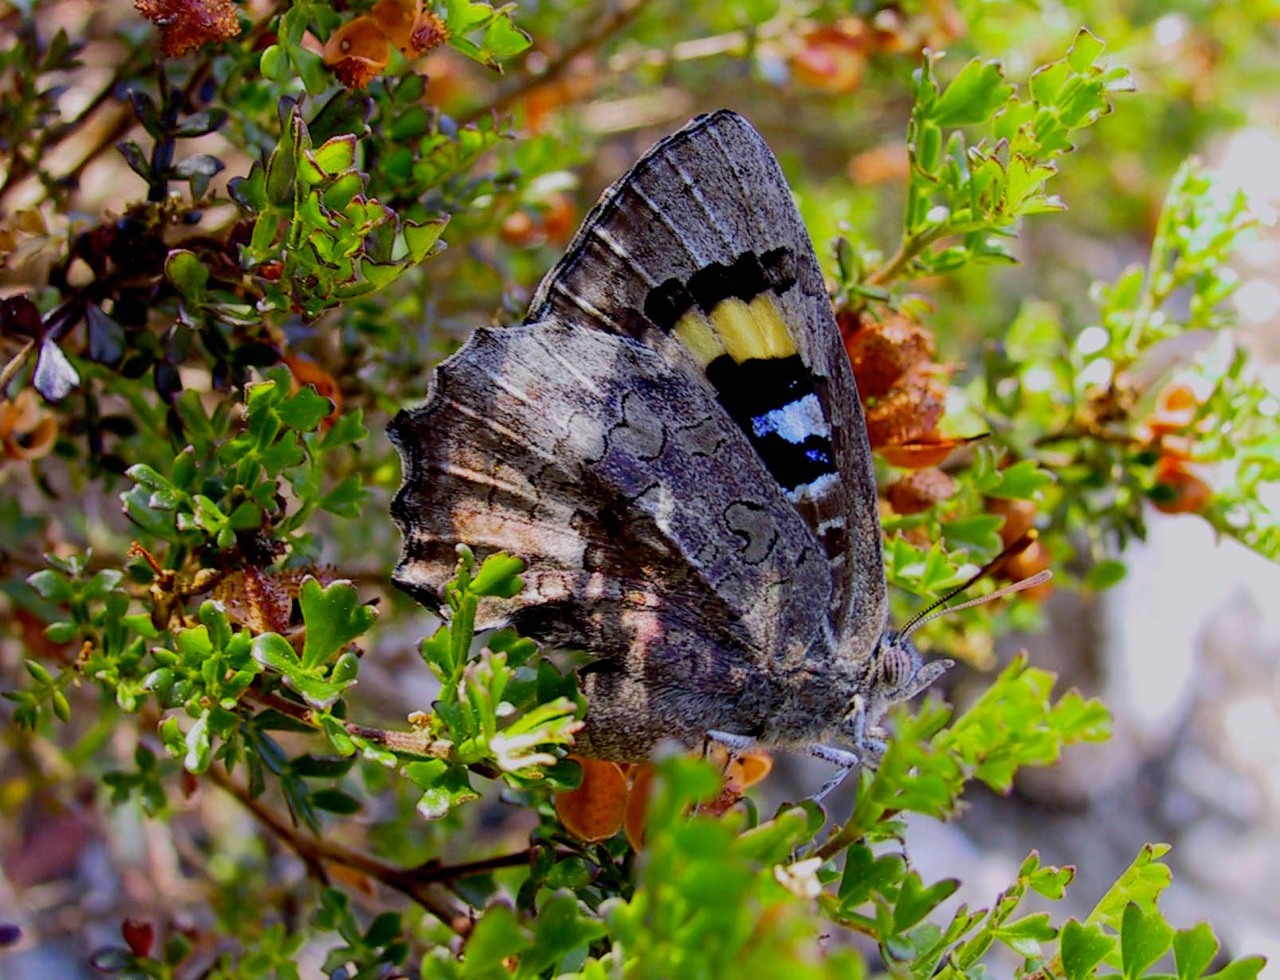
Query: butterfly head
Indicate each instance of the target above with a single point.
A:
(898, 673)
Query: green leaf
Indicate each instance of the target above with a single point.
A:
(1143, 940)
(1193, 951)
(1021, 481)
(444, 787)
(273, 650)
(1247, 968)
(915, 901)
(1084, 51)
(421, 239)
(1082, 948)
(866, 875)
(346, 499)
(187, 273)
(51, 586)
(335, 154)
(1142, 883)
(496, 937)
(335, 801)
(499, 575)
(560, 929)
(197, 743)
(304, 409)
(334, 616)
(1105, 574)
(973, 95)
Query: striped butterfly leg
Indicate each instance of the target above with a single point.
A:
(846, 760)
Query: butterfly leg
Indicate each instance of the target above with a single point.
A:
(870, 741)
(738, 744)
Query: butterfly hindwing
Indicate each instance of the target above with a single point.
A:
(651, 531)
(699, 252)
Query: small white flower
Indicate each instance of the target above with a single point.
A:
(800, 878)
(509, 749)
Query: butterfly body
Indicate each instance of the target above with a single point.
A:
(673, 442)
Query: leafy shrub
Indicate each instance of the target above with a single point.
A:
(207, 351)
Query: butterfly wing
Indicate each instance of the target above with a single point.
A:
(699, 253)
(651, 530)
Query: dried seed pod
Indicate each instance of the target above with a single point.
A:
(638, 803)
(882, 352)
(1031, 560)
(1019, 515)
(189, 24)
(596, 808)
(27, 431)
(931, 449)
(1179, 491)
(919, 491)
(357, 52)
(1176, 407)
(832, 57)
(906, 414)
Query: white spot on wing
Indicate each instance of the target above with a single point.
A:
(795, 422)
(812, 491)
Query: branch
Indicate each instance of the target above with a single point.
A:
(421, 885)
(418, 744)
(594, 36)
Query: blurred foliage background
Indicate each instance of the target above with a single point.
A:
(208, 206)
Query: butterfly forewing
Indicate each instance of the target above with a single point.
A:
(699, 252)
(599, 463)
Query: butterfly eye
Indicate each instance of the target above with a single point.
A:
(895, 667)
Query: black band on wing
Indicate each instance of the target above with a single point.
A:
(750, 391)
(745, 278)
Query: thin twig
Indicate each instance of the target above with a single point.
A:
(411, 743)
(423, 887)
(599, 32)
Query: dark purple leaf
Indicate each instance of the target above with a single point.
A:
(106, 337)
(135, 158)
(54, 377)
(168, 382)
(19, 317)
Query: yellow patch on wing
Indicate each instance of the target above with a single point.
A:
(696, 333)
(754, 330)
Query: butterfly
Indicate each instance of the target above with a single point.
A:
(672, 440)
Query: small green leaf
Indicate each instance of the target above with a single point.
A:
(499, 575)
(444, 787)
(187, 273)
(1247, 968)
(334, 616)
(1082, 948)
(197, 741)
(1084, 51)
(336, 154)
(304, 409)
(421, 239)
(496, 937)
(273, 650)
(560, 929)
(915, 901)
(1105, 574)
(51, 586)
(1193, 951)
(1143, 940)
(335, 801)
(973, 95)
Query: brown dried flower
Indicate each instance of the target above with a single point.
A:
(27, 431)
(189, 24)
(919, 491)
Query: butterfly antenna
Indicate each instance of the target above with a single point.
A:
(933, 611)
